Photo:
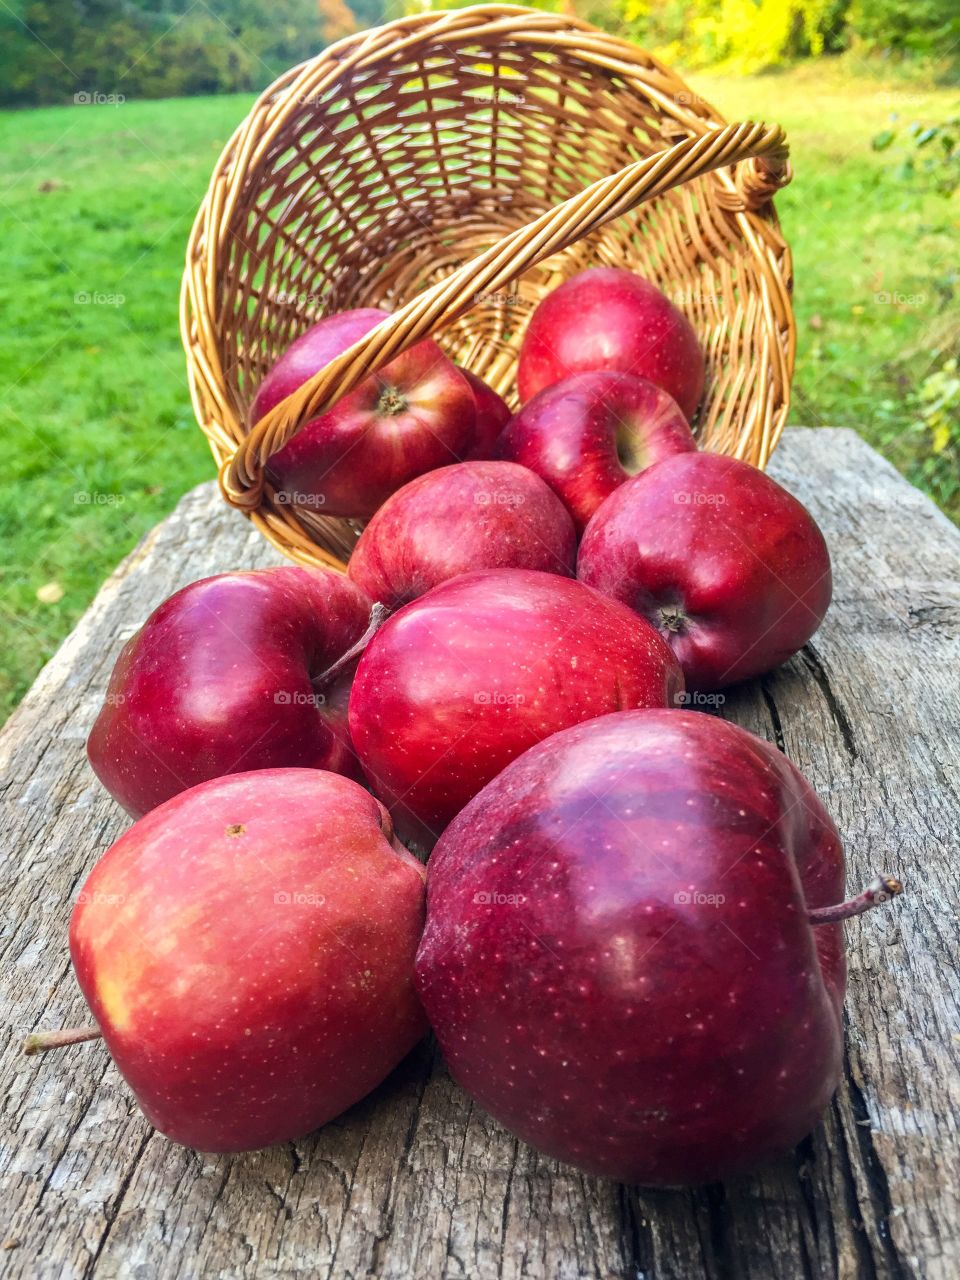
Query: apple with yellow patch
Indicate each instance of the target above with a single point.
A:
(247, 951)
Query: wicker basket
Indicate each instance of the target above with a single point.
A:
(454, 167)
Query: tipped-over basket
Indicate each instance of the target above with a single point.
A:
(453, 168)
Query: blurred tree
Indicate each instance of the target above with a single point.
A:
(51, 49)
(750, 34)
(336, 19)
(927, 27)
(369, 13)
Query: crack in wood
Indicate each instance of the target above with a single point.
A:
(816, 668)
(805, 1157)
(767, 695)
(113, 1211)
(876, 1179)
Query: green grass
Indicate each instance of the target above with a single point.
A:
(97, 426)
(875, 259)
(99, 436)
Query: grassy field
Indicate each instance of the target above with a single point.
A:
(96, 420)
(875, 257)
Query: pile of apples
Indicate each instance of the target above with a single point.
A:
(627, 936)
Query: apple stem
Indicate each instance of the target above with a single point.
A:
(672, 618)
(391, 402)
(41, 1041)
(378, 615)
(879, 890)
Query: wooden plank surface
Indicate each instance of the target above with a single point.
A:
(415, 1181)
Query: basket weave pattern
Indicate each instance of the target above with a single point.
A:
(453, 168)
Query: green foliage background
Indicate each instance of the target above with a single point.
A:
(51, 49)
(755, 35)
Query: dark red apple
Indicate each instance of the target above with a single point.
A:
(237, 672)
(629, 957)
(493, 414)
(247, 951)
(416, 413)
(729, 567)
(588, 433)
(473, 515)
(607, 318)
(463, 680)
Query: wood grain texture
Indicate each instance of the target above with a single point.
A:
(415, 1181)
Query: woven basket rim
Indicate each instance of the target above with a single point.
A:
(241, 453)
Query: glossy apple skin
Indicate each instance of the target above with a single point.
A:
(247, 951)
(728, 565)
(457, 684)
(587, 987)
(348, 460)
(219, 679)
(607, 318)
(473, 515)
(493, 414)
(588, 433)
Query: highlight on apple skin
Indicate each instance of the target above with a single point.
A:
(473, 515)
(622, 959)
(247, 951)
(236, 672)
(728, 566)
(589, 433)
(608, 318)
(461, 681)
(416, 413)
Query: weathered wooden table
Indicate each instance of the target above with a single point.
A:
(415, 1181)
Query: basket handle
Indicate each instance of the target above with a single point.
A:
(241, 476)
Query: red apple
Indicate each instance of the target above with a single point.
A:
(461, 681)
(588, 433)
(606, 318)
(247, 951)
(493, 414)
(237, 672)
(731, 568)
(629, 958)
(474, 515)
(416, 413)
